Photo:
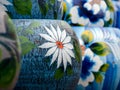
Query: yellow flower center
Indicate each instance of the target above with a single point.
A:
(59, 44)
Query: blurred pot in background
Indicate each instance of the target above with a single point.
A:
(9, 51)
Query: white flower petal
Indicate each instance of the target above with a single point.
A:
(83, 82)
(47, 37)
(51, 51)
(83, 21)
(74, 11)
(64, 60)
(96, 9)
(63, 35)
(107, 15)
(70, 52)
(98, 63)
(103, 5)
(55, 55)
(100, 22)
(49, 32)
(66, 56)
(67, 40)
(47, 45)
(74, 19)
(90, 78)
(59, 58)
(89, 53)
(54, 32)
(87, 6)
(59, 32)
(69, 46)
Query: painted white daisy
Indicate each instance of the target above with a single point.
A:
(2, 3)
(59, 45)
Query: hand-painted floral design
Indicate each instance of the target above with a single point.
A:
(96, 44)
(90, 13)
(2, 3)
(91, 63)
(58, 44)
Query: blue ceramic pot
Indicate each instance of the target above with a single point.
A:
(101, 59)
(9, 54)
(35, 9)
(51, 57)
(89, 12)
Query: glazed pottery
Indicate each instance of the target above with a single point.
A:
(35, 9)
(89, 12)
(101, 58)
(51, 55)
(9, 54)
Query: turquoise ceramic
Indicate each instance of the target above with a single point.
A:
(101, 58)
(9, 54)
(51, 55)
(89, 12)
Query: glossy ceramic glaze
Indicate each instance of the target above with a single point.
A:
(101, 58)
(9, 54)
(51, 57)
(89, 12)
(35, 9)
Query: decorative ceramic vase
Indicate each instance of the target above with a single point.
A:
(35, 9)
(51, 57)
(9, 54)
(101, 59)
(89, 12)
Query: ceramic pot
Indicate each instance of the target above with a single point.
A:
(35, 9)
(101, 60)
(89, 12)
(9, 54)
(51, 57)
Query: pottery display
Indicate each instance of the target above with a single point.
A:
(51, 55)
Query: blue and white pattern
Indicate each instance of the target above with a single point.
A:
(91, 63)
(90, 13)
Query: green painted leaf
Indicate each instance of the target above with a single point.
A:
(26, 45)
(44, 7)
(23, 6)
(68, 17)
(108, 23)
(110, 5)
(59, 73)
(100, 48)
(104, 67)
(27, 32)
(87, 36)
(34, 24)
(7, 71)
(69, 70)
(98, 77)
(77, 50)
